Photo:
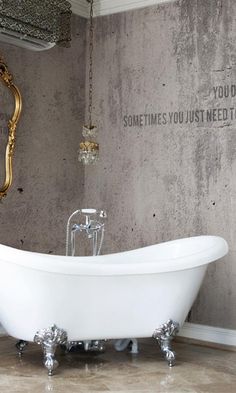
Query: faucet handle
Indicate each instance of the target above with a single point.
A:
(103, 214)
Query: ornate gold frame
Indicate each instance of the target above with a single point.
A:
(7, 79)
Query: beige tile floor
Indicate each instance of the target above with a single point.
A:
(198, 370)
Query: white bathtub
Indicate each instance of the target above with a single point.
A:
(129, 294)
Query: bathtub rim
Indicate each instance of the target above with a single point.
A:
(101, 266)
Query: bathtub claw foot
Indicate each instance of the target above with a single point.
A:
(49, 339)
(164, 335)
(21, 345)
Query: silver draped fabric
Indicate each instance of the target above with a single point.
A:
(41, 19)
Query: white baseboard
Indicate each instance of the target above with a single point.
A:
(208, 334)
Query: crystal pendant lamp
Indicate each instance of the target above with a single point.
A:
(89, 149)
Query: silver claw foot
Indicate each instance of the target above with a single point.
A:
(164, 335)
(21, 345)
(49, 339)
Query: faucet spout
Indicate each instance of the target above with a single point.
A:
(89, 221)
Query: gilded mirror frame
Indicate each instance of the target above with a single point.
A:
(7, 80)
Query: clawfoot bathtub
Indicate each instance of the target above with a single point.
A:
(142, 293)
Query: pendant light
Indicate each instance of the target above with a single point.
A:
(89, 149)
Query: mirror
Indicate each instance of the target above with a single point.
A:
(7, 80)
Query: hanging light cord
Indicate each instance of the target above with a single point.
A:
(89, 149)
(91, 64)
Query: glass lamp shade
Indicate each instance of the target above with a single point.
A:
(88, 152)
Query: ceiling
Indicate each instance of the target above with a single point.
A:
(106, 7)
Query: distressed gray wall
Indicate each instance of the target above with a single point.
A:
(171, 180)
(48, 180)
(156, 182)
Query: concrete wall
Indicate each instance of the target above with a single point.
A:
(48, 180)
(176, 178)
(157, 181)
